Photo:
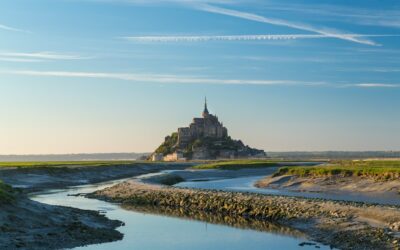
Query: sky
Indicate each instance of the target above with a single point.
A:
(91, 76)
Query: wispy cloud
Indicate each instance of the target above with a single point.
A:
(280, 22)
(240, 37)
(151, 2)
(38, 56)
(376, 85)
(15, 59)
(9, 28)
(157, 78)
(386, 70)
(183, 79)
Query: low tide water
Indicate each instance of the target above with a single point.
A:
(246, 184)
(144, 230)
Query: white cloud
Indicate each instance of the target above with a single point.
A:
(279, 22)
(182, 79)
(157, 78)
(141, 2)
(237, 37)
(8, 28)
(14, 59)
(387, 70)
(37, 56)
(376, 85)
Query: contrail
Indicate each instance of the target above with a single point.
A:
(279, 22)
(238, 37)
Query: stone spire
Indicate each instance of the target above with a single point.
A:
(205, 112)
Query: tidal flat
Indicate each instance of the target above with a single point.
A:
(344, 225)
(143, 197)
(29, 224)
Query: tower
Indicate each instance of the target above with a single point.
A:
(205, 111)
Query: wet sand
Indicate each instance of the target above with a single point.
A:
(359, 188)
(345, 225)
(26, 224)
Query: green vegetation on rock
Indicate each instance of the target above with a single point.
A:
(6, 193)
(167, 147)
(384, 170)
(238, 164)
(213, 146)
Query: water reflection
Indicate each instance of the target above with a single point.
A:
(217, 219)
(168, 229)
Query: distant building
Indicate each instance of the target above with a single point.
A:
(207, 126)
(205, 138)
(176, 156)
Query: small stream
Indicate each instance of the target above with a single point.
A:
(146, 230)
(246, 184)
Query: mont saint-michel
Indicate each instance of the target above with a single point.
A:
(205, 138)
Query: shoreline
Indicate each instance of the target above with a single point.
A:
(346, 225)
(337, 223)
(27, 224)
(31, 180)
(372, 190)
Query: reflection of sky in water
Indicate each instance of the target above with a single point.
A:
(147, 231)
(246, 184)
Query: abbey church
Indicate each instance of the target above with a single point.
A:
(205, 138)
(207, 126)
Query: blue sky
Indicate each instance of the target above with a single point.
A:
(119, 75)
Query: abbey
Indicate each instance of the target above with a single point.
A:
(208, 126)
(205, 138)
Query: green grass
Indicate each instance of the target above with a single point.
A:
(65, 164)
(6, 193)
(237, 164)
(385, 170)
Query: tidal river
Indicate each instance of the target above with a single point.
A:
(246, 184)
(147, 230)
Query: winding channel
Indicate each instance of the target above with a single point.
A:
(148, 230)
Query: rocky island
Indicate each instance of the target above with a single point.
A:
(205, 138)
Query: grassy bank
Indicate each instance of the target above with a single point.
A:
(52, 164)
(386, 170)
(238, 164)
(6, 193)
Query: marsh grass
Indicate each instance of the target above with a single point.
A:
(61, 164)
(7, 193)
(238, 164)
(384, 170)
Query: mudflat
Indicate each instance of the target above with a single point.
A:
(27, 224)
(345, 225)
(333, 184)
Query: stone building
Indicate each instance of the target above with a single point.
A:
(206, 126)
(176, 156)
(205, 138)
